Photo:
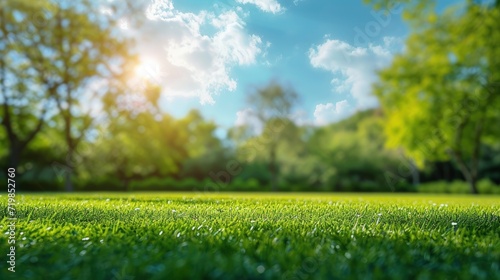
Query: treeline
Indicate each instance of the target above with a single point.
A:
(76, 116)
(148, 152)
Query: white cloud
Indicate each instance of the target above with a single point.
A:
(329, 112)
(159, 9)
(190, 62)
(356, 66)
(232, 41)
(270, 6)
(296, 2)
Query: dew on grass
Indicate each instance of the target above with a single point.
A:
(279, 236)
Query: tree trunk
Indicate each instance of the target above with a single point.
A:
(68, 174)
(273, 170)
(14, 155)
(473, 185)
(274, 182)
(68, 184)
(470, 174)
(126, 184)
(414, 173)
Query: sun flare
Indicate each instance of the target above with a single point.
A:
(148, 69)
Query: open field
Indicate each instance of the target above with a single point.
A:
(253, 236)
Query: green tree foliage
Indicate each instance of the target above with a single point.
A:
(25, 98)
(353, 152)
(206, 153)
(272, 106)
(75, 57)
(136, 146)
(441, 95)
(290, 156)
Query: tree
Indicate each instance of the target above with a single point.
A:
(135, 146)
(272, 105)
(206, 153)
(75, 54)
(25, 100)
(441, 95)
(352, 149)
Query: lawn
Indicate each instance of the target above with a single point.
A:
(253, 236)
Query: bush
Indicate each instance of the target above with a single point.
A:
(189, 184)
(486, 186)
(32, 185)
(368, 186)
(444, 187)
(168, 184)
(240, 184)
(253, 185)
(99, 184)
(154, 184)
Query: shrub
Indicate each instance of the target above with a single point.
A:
(240, 184)
(443, 187)
(39, 185)
(154, 184)
(486, 186)
(99, 184)
(189, 184)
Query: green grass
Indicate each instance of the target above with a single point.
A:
(254, 236)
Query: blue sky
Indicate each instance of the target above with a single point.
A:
(208, 54)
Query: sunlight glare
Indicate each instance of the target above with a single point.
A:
(148, 69)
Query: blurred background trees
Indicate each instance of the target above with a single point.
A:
(75, 116)
(272, 106)
(441, 95)
(57, 61)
